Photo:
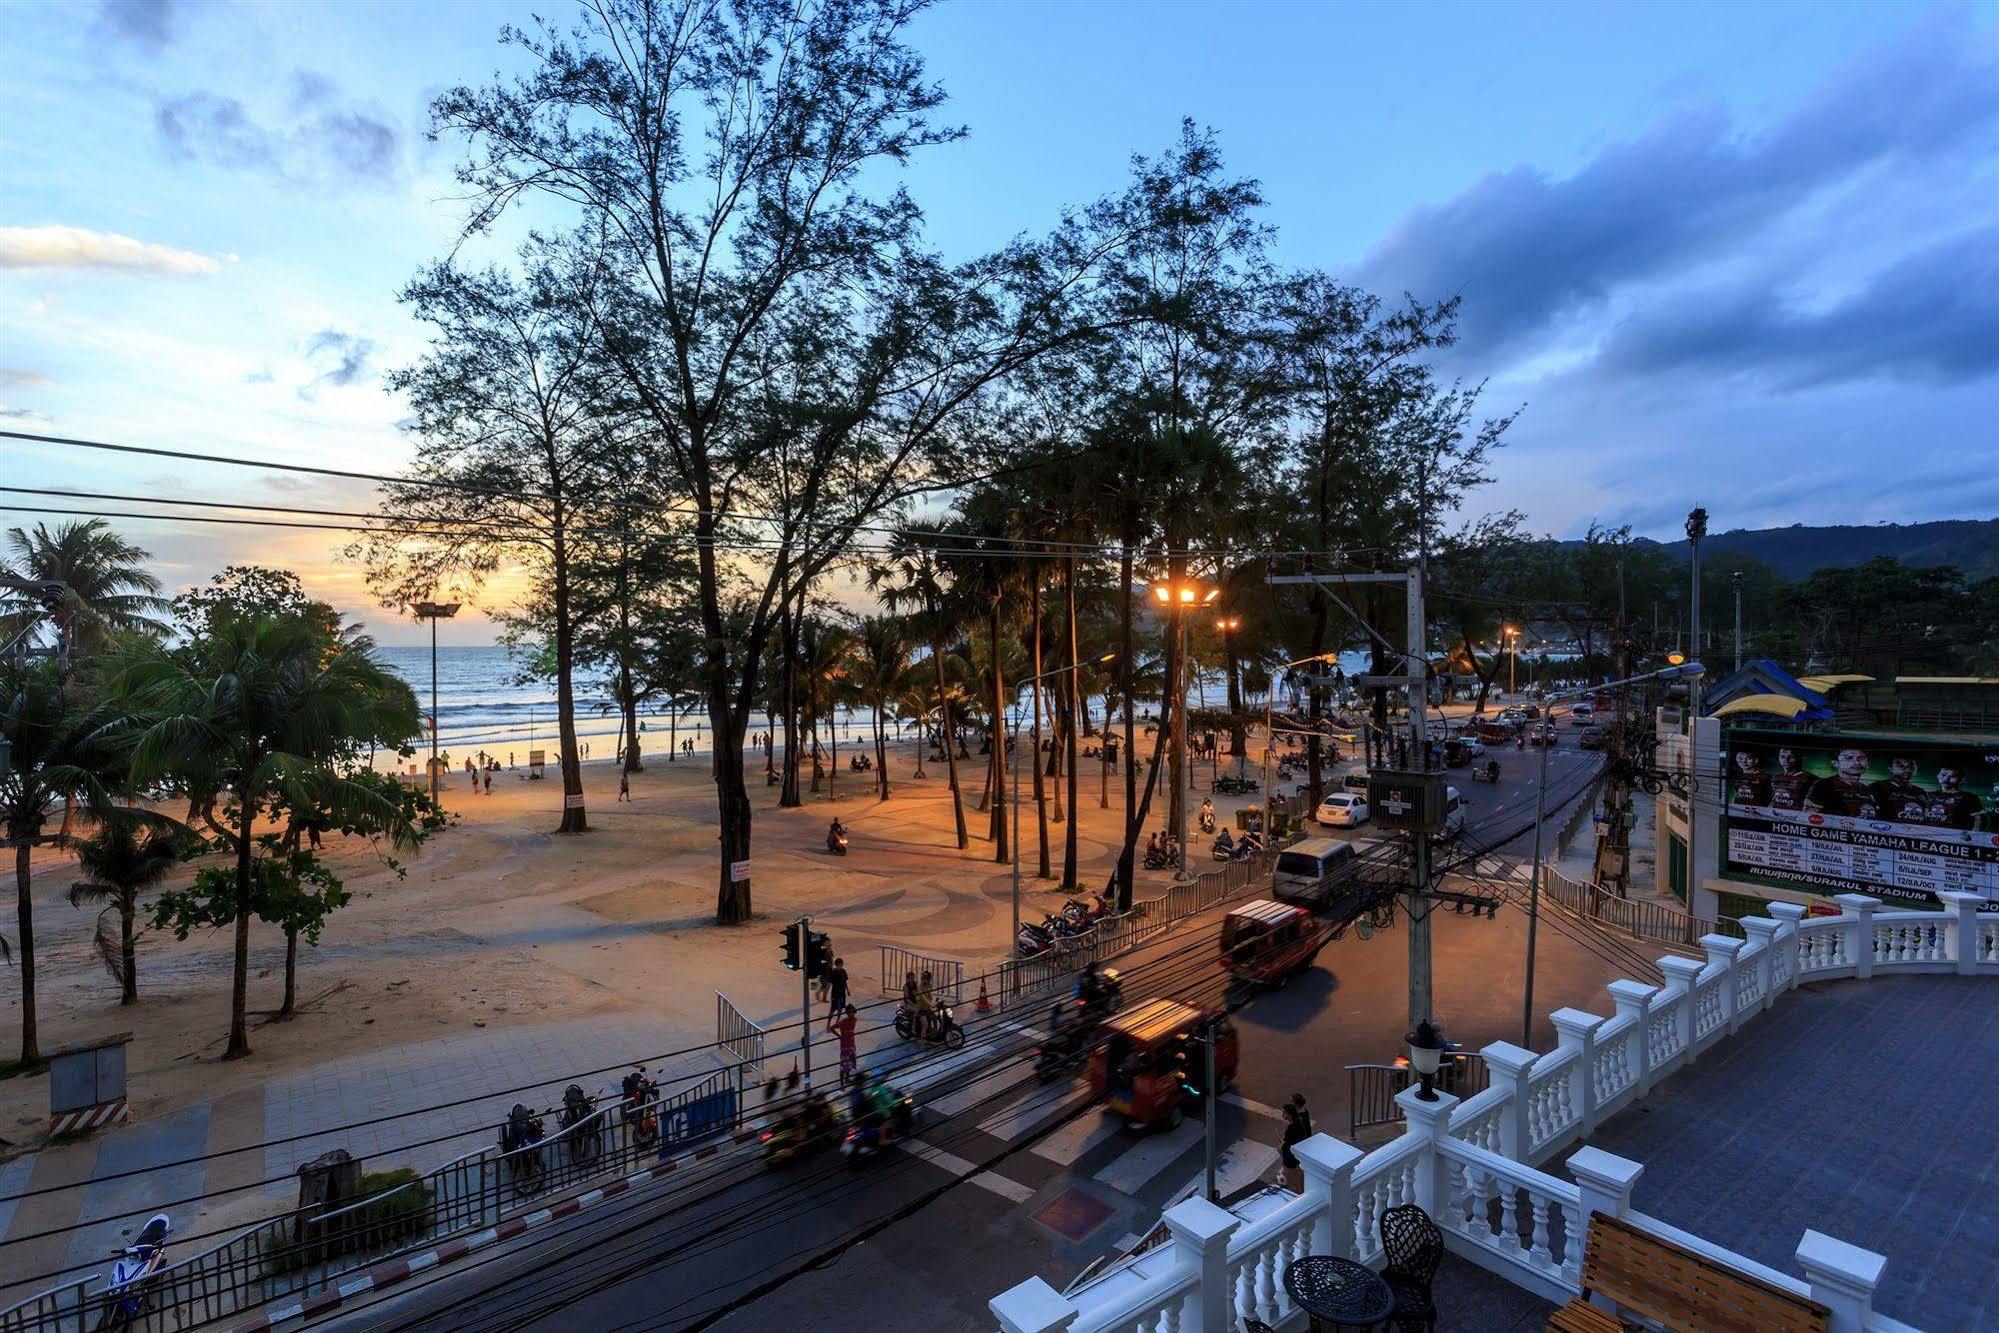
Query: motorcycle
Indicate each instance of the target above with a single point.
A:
(585, 1137)
(640, 1107)
(941, 1028)
(891, 1117)
(1032, 940)
(808, 1127)
(1208, 821)
(518, 1140)
(1068, 1042)
(836, 840)
(1161, 860)
(1486, 772)
(129, 1298)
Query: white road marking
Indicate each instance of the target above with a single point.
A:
(1067, 1144)
(1130, 1172)
(1241, 1163)
(958, 1166)
(1253, 1106)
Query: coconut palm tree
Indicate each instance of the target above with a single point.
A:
(912, 581)
(881, 651)
(127, 856)
(106, 588)
(259, 708)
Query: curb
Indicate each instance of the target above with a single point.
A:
(384, 1276)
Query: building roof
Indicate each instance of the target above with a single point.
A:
(1827, 684)
(1764, 677)
(1774, 705)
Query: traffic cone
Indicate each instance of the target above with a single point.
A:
(982, 1004)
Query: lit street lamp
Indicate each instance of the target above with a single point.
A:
(434, 612)
(1180, 598)
(1512, 657)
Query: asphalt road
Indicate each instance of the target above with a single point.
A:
(1011, 1177)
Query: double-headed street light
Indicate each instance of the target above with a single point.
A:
(1512, 657)
(1013, 774)
(434, 612)
(1179, 598)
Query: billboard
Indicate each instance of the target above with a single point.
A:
(1827, 813)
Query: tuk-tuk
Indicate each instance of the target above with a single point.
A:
(1150, 1063)
(1268, 943)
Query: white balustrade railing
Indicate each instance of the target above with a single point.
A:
(1474, 1165)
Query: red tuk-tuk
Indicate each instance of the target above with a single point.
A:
(1150, 1063)
(1267, 943)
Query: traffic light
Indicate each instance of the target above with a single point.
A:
(791, 950)
(818, 954)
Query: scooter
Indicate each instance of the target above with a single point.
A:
(1068, 1041)
(1032, 940)
(518, 1140)
(1161, 860)
(942, 1028)
(640, 1107)
(893, 1119)
(130, 1296)
(813, 1124)
(1486, 772)
(836, 841)
(584, 1135)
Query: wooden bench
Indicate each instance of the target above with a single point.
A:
(1653, 1278)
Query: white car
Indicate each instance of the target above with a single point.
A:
(1343, 810)
(1583, 712)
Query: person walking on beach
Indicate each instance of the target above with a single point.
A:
(472, 772)
(836, 989)
(489, 778)
(510, 761)
(625, 787)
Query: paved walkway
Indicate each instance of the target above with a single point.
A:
(1859, 1109)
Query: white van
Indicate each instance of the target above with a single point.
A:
(1454, 814)
(1307, 871)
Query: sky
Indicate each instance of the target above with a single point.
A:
(1742, 255)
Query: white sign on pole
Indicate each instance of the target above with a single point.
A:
(738, 871)
(573, 801)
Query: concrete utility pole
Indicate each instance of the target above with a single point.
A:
(1735, 580)
(1696, 531)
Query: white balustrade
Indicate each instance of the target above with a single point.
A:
(1382, 1180)
(1478, 1120)
(1551, 1101)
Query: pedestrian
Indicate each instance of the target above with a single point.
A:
(472, 772)
(624, 786)
(836, 989)
(1297, 1129)
(586, 749)
(489, 782)
(510, 761)
(847, 1022)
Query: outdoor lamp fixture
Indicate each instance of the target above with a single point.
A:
(1674, 659)
(1426, 1054)
(1184, 595)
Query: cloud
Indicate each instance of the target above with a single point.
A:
(343, 356)
(23, 379)
(1931, 317)
(1530, 250)
(74, 247)
(320, 140)
(20, 414)
(149, 25)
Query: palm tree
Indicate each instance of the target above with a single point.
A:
(106, 587)
(910, 581)
(881, 652)
(127, 856)
(259, 708)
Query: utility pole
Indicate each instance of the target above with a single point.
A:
(1696, 530)
(1210, 1112)
(805, 997)
(434, 612)
(1735, 580)
(1420, 991)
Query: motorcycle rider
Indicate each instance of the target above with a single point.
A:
(836, 837)
(1207, 815)
(1224, 846)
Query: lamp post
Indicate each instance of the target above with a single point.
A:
(1512, 657)
(1269, 725)
(1178, 599)
(1228, 625)
(1696, 531)
(434, 612)
(1013, 775)
(1426, 1056)
(1735, 581)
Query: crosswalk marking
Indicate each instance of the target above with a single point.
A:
(1071, 1141)
(958, 1166)
(1242, 1163)
(1253, 1106)
(1129, 1173)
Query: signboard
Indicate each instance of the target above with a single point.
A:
(694, 1116)
(1410, 801)
(537, 760)
(738, 871)
(1900, 819)
(573, 801)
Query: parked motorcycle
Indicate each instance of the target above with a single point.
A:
(585, 1137)
(940, 1029)
(129, 1298)
(518, 1140)
(641, 1107)
(1161, 860)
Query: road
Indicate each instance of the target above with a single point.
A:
(1010, 1177)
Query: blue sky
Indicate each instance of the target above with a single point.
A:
(1745, 255)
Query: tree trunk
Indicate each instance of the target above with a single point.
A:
(629, 703)
(31, 1046)
(574, 818)
(1238, 727)
(1074, 701)
(1126, 866)
(286, 1009)
(950, 739)
(1001, 847)
(239, 987)
(788, 795)
(881, 746)
(128, 949)
(1042, 870)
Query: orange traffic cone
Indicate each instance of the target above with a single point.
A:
(982, 1004)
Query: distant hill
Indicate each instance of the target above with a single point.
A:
(1970, 544)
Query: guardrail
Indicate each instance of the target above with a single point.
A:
(1372, 1089)
(739, 1036)
(947, 975)
(305, 1250)
(1640, 918)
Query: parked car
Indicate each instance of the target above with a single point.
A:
(1343, 810)
(1355, 782)
(1454, 814)
(1474, 746)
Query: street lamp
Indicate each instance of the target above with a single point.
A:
(1735, 580)
(1426, 1056)
(1013, 773)
(434, 612)
(1512, 656)
(1180, 598)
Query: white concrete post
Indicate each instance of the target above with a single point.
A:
(1859, 931)
(1507, 1067)
(1681, 974)
(1634, 1000)
(1763, 937)
(1032, 1307)
(1201, 1234)
(1842, 1277)
(1328, 1166)
(1430, 1122)
(1722, 950)
(1963, 910)
(1605, 1181)
(1787, 917)
(1576, 1030)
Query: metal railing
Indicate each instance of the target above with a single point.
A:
(947, 975)
(1640, 918)
(1371, 1089)
(738, 1035)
